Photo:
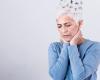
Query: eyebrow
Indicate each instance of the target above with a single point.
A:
(58, 24)
(65, 23)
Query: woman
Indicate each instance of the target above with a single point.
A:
(74, 57)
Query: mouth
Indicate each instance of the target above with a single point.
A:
(66, 35)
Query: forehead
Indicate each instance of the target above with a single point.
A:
(64, 18)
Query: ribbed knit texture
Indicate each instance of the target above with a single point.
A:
(74, 62)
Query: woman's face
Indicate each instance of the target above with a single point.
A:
(67, 27)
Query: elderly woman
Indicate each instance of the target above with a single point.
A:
(73, 57)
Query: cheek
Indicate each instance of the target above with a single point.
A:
(73, 30)
(59, 31)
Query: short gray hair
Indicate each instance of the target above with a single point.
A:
(72, 8)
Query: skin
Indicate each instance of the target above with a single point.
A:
(69, 30)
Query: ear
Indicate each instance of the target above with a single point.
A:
(80, 23)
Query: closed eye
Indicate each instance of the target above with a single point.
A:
(59, 25)
(67, 24)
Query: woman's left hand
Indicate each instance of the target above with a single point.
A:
(77, 39)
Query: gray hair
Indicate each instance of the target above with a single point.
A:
(72, 8)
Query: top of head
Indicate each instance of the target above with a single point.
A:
(70, 8)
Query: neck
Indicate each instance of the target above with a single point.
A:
(81, 41)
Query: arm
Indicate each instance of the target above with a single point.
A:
(58, 64)
(83, 69)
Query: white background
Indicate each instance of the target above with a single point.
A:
(26, 29)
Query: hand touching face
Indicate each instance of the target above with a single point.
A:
(67, 27)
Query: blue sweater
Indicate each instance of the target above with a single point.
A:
(74, 62)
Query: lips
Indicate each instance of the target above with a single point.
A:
(66, 35)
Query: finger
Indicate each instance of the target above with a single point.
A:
(77, 34)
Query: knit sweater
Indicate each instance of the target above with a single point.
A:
(74, 62)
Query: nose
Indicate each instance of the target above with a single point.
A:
(64, 29)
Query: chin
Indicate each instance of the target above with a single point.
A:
(68, 40)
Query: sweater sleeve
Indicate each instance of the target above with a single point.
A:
(58, 64)
(83, 69)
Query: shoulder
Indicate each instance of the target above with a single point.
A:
(95, 46)
(54, 45)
